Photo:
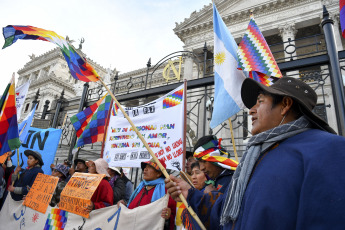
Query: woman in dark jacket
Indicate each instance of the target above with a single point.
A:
(118, 185)
(27, 177)
(60, 171)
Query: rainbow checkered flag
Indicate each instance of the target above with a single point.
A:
(255, 56)
(90, 123)
(78, 66)
(173, 99)
(9, 135)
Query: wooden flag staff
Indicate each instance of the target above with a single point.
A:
(233, 140)
(165, 173)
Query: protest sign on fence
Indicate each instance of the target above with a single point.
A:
(76, 196)
(41, 192)
(44, 141)
(160, 122)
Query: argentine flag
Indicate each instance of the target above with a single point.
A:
(228, 79)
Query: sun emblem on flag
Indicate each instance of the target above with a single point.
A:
(219, 58)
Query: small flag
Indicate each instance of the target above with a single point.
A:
(173, 99)
(78, 66)
(342, 16)
(228, 79)
(81, 119)
(9, 136)
(24, 126)
(21, 93)
(114, 109)
(254, 55)
(95, 123)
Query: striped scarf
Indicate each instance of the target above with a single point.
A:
(257, 144)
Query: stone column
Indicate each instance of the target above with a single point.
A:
(188, 68)
(288, 32)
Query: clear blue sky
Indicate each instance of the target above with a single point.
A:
(118, 33)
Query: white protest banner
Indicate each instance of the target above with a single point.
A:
(160, 122)
(111, 218)
(14, 215)
(21, 93)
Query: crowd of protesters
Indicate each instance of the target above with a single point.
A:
(291, 175)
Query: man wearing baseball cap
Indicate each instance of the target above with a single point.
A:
(291, 175)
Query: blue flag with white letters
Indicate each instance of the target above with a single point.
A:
(44, 141)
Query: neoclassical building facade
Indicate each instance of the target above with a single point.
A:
(292, 28)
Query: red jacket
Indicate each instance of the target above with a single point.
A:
(103, 196)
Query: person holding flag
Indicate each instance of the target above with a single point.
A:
(20, 186)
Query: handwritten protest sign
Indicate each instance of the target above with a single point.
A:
(76, 196)
(160, 122)
(41, 192)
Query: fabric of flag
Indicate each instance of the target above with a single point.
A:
(114, 109)
(21, 93)
(56, 219)
(173, 99)
(24, 126)
(95, 129)
(215, 153)
(9, 135)
(78, 66)
(255, 55)
(81, 119)
(342, 16)
(228, 79)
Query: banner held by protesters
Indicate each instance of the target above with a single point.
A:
(161, 123)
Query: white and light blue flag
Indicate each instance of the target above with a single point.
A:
(23, 127)
(228, 79)
(21, 93)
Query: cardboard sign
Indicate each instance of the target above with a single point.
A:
(160, 122)
(76, 196)
(41, 192)
(4, 157)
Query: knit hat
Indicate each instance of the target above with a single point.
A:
(62, 169)
(153, 164)
(101, 166)
(208, 148)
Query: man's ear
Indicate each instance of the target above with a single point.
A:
(286, 105)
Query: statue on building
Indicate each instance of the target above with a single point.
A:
(82, 40)
(32, 56)
(78, 88)
(68, 40)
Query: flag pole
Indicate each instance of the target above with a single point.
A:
(164, 171)
(184, 126)
(18, 148)
(233, 140)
